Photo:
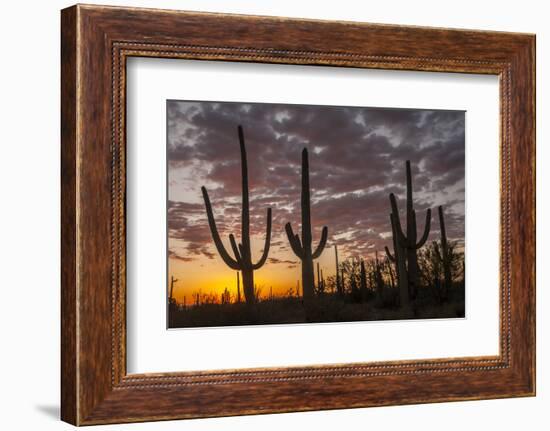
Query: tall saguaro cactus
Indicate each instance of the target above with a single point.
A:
(399, 260)
(243, 255)
(445, 254)
(302, 248)
(409, 240)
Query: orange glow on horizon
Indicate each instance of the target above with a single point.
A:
(212, 276)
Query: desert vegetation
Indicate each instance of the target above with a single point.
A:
(415, 279)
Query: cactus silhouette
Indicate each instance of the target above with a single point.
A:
(238, 288)
(409, 241)
(242, 252)
(399, 260)
(339, 285)
(320, 281)
(302, 248)
(445, 255)
(172, 282)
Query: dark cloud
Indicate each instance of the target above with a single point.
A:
(173, 255)
(277, 261)
(357, 157)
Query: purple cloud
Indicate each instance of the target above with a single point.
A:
(357, 158)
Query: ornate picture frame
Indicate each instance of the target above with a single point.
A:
(96, 42)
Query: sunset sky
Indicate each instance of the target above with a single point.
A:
(356, 158)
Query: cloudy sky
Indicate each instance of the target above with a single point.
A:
(356, 156)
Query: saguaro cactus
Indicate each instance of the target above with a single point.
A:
(243, 255)
(339, 282)
(172, 282)
(399, 260)
(320, 281)
(302, 248)
(409, 241)
(445, 255)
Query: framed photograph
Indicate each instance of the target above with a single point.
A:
(348, 192)
(266, 215)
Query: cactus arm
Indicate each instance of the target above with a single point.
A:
(294, 241)
(400, 235)
(391, 257)
(235, 249)
(426, 229)
(297, 238)
(443, 231)
(442, 222)
(322, 243)
(267, 244)
(241, 250)
(229, 261)
(388, 253)
(437, 253)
